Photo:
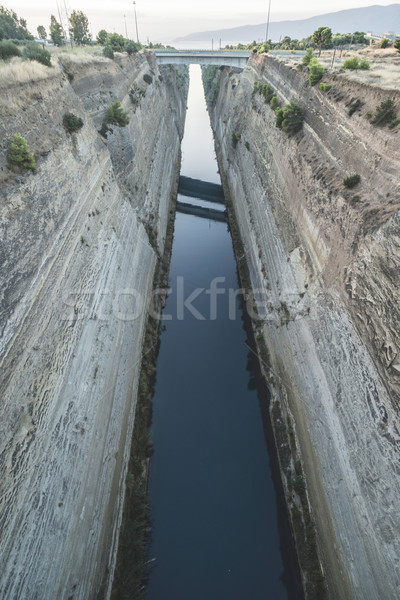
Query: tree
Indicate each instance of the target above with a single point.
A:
(322, 37)
(316, 71)
(384, 43)
(12, 26)
(19, 154)
(42, 33)
(79, 29)
(293, 118)
(56, 32)
(397, 44)
(102, 37)
(116, 115)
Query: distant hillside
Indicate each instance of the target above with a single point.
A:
(378, 19)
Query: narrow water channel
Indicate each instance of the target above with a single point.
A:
(213, 503)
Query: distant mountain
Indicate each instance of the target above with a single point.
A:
(378, 19)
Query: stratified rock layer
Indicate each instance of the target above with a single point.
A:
(324, 262)
(80, 240)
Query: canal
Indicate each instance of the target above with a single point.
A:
(212, 499)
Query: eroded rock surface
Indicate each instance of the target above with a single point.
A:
(80, 240)
(325, 263)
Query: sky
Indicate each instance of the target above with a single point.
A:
(162, 21)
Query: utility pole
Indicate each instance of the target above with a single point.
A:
(269, 12)
(69, 26)
(126, 28)
(137, 33)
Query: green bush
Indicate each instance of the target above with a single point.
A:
(247, 145)
(293, 118)
(316, 71)
(279, 117)
(384, 43)
(131, 47)
(394, 123)
(396, 44)
(35, 52)
(351, 63)
(299, 485)
(325, 87)
(355, 104)
(115, 115)
(307, 57)
(351, 181)
(72, 123)
(385, 113)
(264, 89)
(235, 138)
(19, 154)
(108, 52)
(147, 78)
(274, 104)
(8, 49)
(364, 64)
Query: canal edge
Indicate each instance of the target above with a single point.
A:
(132, 555)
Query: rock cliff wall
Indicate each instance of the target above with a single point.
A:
(80, 240)
(324, 265)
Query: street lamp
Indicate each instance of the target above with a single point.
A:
(137, 34)
(269, 12)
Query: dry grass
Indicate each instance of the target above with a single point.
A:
(24, 71)
(81, 58)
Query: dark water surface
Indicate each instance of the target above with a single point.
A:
(213, 503)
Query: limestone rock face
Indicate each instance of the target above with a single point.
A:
(79, 243)
(324, 263)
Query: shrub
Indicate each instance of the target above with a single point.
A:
(325, 87)
(131, 47)
(316, 71)
(72, 123)
(247, 145)
(299, 485)
(307, 57)
(293, 118)
(279, 117)
(355, 105)
(19, 154)
(265, 90)
(108, 52)
(8, 49)
(396, 44)
(351, 63)
(116, 115)
(384, 43)
(364, 64)
(136, 93)
(147, 78)
(35, 52)
(235, 138)
(394, 123)
(385, 113)
(351, 181)
(274, 104)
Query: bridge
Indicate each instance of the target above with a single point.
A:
(203, 57)
(211, 193)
